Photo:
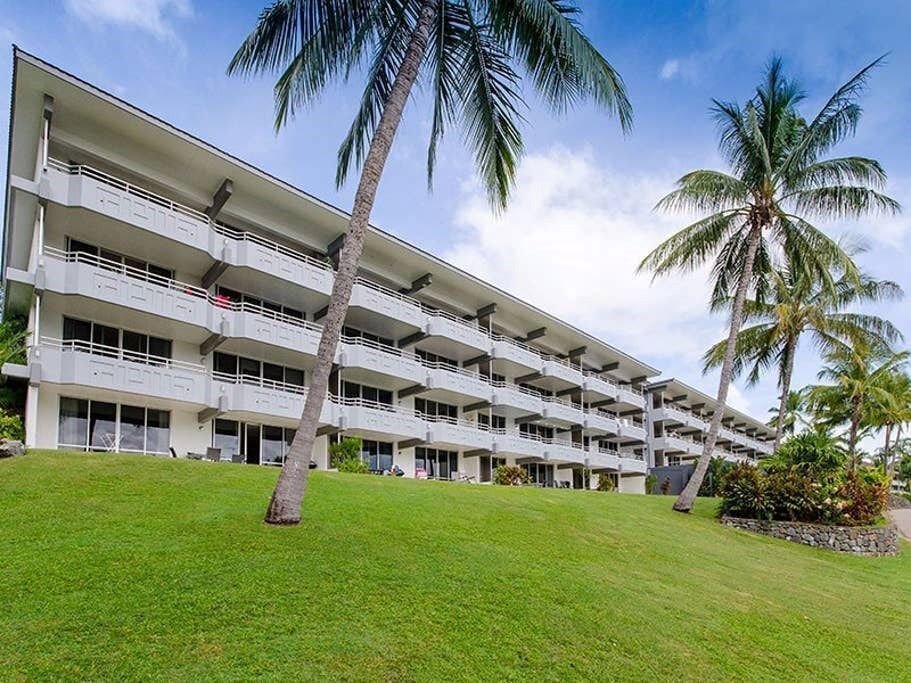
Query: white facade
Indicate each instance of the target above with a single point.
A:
(175, 293)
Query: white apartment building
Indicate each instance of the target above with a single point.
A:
(174, 297)
(679, 416)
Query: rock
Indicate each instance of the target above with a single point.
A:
(11, 448)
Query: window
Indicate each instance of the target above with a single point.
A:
(377, 455)
(226, 437)
(436, 358)
(537, 390)
(492, 421)
(240, 438)
(239, 366)
(114, 259)
(352, 390)
(361, 334)
(271, 446)
(539, 473)
(532, 429)
(96, 425)
(436, 409)
(223, 296)
(109, 341)
(437, 464)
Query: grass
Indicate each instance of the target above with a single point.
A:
(132, 567)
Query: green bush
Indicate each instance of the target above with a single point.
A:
(605, 482)
(348, 448)
(11, 427)
(510, 475)
(650, 482)
(816, 454)
(718, 467)
(353, 465)
(791, 495)
(863, 496)
(743, 493)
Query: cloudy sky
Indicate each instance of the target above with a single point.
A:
(585, 193)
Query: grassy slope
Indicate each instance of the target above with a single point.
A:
(140, 567)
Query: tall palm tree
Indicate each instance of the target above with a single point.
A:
(891, 412)
(793, 415)
(801, 305)
(857, 383)
(470, 53)
(778, 182)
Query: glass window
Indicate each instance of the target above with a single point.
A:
(294, 376)
(132, 428)
(77, 330)
(249, 367)
(159, 347)
(110, 256)
(166, 273)
(226, 438)
(83, 247)
(293, 313)
(252, 301)
(351, 390)
(369, 393)
(275, 373)
(269, 306)
(134, 344)
(225, 363)
(73, 424)
(271, 445)
(102, 425)
(106, 337)
(158, 431)
(384, 396)
(134, 263)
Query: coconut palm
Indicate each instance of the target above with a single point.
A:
(470, 54)
(794, 413)
(891, 412)
(858, 378)
(778, 182)
(800, 305)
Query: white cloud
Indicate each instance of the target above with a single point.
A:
(570, 243)
(670, 69)
(152, 16)
(738, 401)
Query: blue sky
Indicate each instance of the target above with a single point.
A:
(585, 194)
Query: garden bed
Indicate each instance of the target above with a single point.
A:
(857, 540)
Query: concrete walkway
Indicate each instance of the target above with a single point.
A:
(902, 519)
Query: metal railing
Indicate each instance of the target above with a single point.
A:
(117, 353)
(261, 382)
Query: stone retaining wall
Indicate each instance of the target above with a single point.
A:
(857, 540)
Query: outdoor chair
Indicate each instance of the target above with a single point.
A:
(213, 454)
(237, 458)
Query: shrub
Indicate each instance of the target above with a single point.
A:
(792, 496)
(863, 496)
(11, 427)
(650, 482)
(348, 448)
(510, 475)
(605, 482)
(816, 454)
(743, 492)
(718, 467)
(353, 465)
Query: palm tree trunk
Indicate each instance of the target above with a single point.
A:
(786, 370)
(284, 507)
(852, 434)
(886, 450)
(687, 497)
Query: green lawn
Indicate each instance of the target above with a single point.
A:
(133, 567)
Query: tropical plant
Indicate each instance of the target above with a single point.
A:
(857, 378)
(891, 412)
(779, 181)
(511, 475)
(345, 451)
(794, 413)
(814, 453)
(718, 467)
(606, 482)
(650, 481)
(471, 54)
(11, 427)
(799, 305)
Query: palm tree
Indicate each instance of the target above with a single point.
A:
(892, 412)
(858, 377)
(777, 184)
(794, 413)
(471, 54)
(800, 305)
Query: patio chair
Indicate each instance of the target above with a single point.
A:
(173, 452)
(195, 456)
(213, 454)
(237, 458)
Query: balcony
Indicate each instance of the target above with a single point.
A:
(385, 360)
(453, 328)
(516, 353)
(630, 430)
(603, 458)
(601, 387)
(634, 397)
(255, 396)
(564, 451)
(379, 300)
(520, 398)
(453, 380)
(560, 369)
(597, 421)
(517, 444)
(111, 369)
(561, 410)
(381, 419)
(448, 432)
(631, 462)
